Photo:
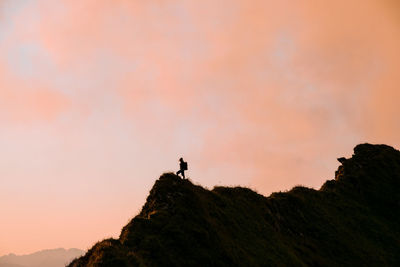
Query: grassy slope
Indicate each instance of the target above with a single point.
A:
(353, 220)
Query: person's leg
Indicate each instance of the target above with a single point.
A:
(183, 174)
(178, 172)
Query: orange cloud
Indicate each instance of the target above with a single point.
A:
(29, 101)
(38, 104)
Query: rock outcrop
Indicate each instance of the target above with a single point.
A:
(353, 220)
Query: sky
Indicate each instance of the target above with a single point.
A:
(99, 98)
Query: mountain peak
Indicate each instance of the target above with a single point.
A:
(372, 172)
(167, 190)
(182, 224)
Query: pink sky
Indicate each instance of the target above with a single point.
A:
(98, 98)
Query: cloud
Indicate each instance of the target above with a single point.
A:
(29, 101)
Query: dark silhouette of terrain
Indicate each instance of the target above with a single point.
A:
(353, 220)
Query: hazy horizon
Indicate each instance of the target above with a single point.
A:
(41, 250)
(99, 98)
(44, 258)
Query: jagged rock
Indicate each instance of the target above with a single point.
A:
(351, 221)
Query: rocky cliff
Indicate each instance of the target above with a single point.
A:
(353, 220)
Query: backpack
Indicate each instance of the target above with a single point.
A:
(184, 166)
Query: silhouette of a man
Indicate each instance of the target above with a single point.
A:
(183, 167)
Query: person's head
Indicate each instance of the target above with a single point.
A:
(181, 159)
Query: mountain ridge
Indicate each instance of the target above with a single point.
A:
(350, 220)
(44, 258)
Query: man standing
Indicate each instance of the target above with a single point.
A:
(183, 167)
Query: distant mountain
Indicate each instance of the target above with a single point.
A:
(45, 258)
(353, 220)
